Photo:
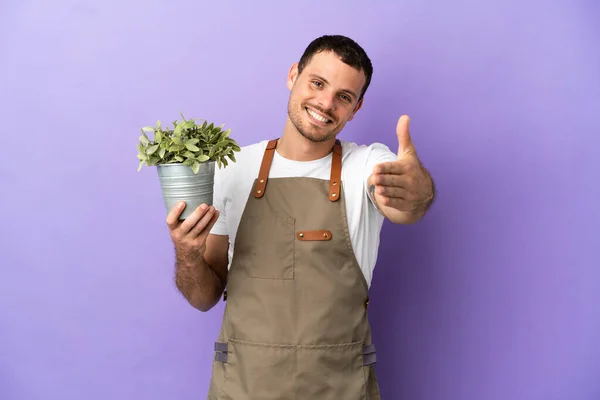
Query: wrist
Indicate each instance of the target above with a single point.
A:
(189, 257)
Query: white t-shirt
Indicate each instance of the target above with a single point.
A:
(233, 185)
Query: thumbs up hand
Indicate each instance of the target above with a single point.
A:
(403, 189)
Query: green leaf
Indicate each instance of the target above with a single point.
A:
(158, 137)
(152, 149)
(191, 147)
(202, 158)
(178, 130)
(144, 140)
(148, 129)
(162, 152)
(140, 165)
(214, 139)
(178, 158)
(195, 167)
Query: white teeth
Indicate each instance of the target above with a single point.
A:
(317, 116)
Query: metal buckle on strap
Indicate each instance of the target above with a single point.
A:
(221, 352)
(369, 354)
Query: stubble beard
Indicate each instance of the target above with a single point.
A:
(296, 114)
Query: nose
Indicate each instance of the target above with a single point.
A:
(326, 100)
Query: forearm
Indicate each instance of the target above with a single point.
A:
(197, 281)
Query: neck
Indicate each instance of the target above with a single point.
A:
(293, 146)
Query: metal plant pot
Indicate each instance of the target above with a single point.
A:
(178, 182)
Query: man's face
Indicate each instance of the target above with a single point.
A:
(324, 96)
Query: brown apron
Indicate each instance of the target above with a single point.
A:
(295, 325)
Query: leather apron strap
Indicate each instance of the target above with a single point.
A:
(335, 177)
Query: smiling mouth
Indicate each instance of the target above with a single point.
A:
(317, 117)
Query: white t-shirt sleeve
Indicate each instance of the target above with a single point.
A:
(220, 227)
(379, 153)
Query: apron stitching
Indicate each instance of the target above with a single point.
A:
(298, 346)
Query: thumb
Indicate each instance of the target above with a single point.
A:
(405, 144)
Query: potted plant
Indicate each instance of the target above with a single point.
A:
(185, 157)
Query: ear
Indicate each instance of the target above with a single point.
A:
(356, 108)
(292, 75)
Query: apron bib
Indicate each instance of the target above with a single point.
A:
(295, 325)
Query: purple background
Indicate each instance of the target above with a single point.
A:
(495, 295)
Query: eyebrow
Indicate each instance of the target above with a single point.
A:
(347, 91)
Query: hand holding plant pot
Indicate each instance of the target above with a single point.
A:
(185, 157)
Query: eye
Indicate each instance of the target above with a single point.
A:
(316, 83)
(345, 98)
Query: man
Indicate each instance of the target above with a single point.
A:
(293, 235)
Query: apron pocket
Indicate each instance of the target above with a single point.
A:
(270, 251)
(257, 371)
(279, 372)
(331, 372)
